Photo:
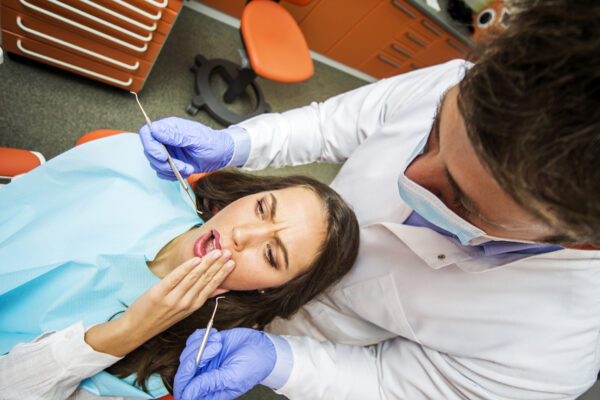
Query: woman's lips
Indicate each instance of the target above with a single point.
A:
(207, 243)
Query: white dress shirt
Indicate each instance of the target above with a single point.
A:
(420, 316)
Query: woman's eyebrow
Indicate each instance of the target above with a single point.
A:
(277, 238)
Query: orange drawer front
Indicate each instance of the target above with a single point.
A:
(28, 26)
(59, 58)
(144, 46)
(388, 19)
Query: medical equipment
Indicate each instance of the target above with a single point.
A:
(169, 159)
(208, 328)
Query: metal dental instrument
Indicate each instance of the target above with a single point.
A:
(208, 328)
(169, 159)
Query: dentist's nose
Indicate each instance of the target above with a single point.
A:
(249, 234)
(428, 171)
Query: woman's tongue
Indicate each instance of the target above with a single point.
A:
(209, 245)
(206, 243)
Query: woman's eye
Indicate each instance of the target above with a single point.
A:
(260, 207)
(270, 258)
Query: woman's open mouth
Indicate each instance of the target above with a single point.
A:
(207, 243)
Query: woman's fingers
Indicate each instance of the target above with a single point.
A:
(172, 280)
(203, 290)
(204, 272)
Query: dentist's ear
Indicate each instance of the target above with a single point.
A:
(218, 292)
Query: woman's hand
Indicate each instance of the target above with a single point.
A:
(181, 292)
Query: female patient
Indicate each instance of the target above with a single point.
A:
(94, 232)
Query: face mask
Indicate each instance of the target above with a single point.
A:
(427, 205)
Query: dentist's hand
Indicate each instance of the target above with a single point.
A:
(193, 146)
(187, 370)
(247, 357)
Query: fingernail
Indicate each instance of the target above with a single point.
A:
(229, 264)
(226, 254)
(216, 255)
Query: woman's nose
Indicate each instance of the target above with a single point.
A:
(249, 234)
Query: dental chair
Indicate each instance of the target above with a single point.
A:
(15, 162)
(274, 48)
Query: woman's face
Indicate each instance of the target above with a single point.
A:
(273, 237)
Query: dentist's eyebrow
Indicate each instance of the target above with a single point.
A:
(460, 196)
(277, 238)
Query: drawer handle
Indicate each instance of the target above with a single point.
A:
(120, 16)
(139, 10)
(75, 47)
(417, 41)
(101, 21)
(406, 10)
(387, 60)
(414, 66)
(76, 68)
(85, 28)
(159, 5)
(431, 28)
(457, 47)
(401, 51)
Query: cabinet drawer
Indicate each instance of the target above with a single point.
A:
(89, 29)
(428, 29)
(231, 7)
(68, 61)
(155, 5)
(442, 50)
(27, 26)
(83, 14)
(381, 65)
(123, 15)
(147, 10)
(118, 14)
(327, 18)
(390, 19)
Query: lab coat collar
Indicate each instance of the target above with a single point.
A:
(439, 251)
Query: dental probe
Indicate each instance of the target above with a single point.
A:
(208, 328)
(169, 159)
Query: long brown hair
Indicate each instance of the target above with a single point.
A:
(250, 308)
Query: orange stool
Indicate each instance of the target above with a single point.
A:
(275, 49)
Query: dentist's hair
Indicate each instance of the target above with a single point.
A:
(531, 105)
(252, 309)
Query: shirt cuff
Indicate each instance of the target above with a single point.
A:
(241, 146)
(283, 363)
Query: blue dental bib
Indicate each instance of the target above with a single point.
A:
(75, 235)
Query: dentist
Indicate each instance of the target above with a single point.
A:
(476, 189)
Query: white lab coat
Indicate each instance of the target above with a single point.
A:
(440, 320)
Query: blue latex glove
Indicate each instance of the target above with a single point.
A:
(187, 370)
(247, 357)
(194, 147)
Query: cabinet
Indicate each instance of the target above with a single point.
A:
(112, 41)
(378, 37)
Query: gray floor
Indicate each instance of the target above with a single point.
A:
(47, 110)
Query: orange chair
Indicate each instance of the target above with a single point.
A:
(275, 49)
(14, 162)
